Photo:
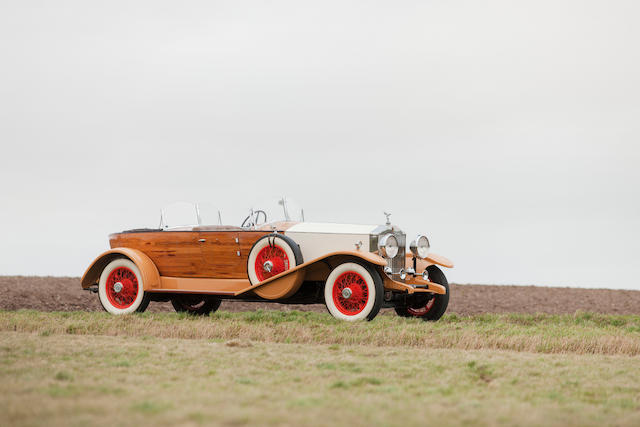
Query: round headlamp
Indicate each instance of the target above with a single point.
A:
(420, 246)
(388, 246)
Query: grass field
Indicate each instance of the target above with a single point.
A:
(308, 369)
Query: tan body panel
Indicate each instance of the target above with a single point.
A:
(409, 285)
(150, 274)
(202, 285)
(432, 259)
(283, 287)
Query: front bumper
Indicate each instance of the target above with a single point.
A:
(414, 282)
(413, 285)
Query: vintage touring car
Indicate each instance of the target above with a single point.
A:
(353, 269)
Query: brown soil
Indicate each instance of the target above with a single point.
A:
(65, 294)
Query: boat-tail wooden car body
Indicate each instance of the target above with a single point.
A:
(354, 269)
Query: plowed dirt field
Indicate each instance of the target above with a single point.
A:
(65, 294)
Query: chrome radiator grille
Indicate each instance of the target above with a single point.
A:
(398, 262)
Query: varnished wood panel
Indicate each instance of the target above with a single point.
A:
(183, 254)
(220, 254)
(173, 253)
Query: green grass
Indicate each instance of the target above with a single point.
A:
(198, 381)
(291, 368)
(586, 333)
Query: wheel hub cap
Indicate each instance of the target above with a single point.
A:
(268, 266)
(346, 293)
(118, 287)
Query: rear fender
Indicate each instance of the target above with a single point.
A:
(150, 275)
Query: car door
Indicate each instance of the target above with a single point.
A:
(174, 253)
(221, 254)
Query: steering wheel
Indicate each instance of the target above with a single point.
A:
(253, 219)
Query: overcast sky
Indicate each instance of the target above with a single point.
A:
(507, 131)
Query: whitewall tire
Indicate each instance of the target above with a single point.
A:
(270, 256)
(353, 292)
(120, 289)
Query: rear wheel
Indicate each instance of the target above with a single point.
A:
(120, 288)
(201, 305)
(427, 306)
(353, 292)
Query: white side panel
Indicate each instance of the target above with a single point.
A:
(333, 228)
(315, 245)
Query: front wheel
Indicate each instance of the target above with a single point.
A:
(199, 305)
(353, 292)
(427, 306)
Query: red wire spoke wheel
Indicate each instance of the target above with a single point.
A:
(270, 261)
(350, 293)
(353, 291)
(422, 311)
(189, 303)
(271, 255)
(195, 304)
(423, 306)
(122, 287)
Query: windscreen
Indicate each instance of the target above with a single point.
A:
(179, 214)
(283, 209)
(185, 214)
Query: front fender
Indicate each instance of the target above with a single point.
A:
(288, 282)
(149, 271)
(431, 259)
